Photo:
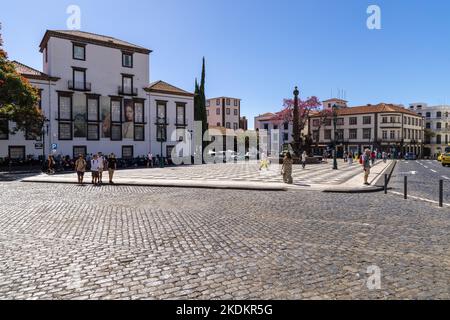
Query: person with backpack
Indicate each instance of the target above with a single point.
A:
(80, 168)
(365, 162)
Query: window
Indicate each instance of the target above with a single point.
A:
(235, 126)
(40, 99)
(428, 125)
(127, 85)
(409, 121)
(438, 139)
(65, 131)
(266, 126)
(393, 119)
(138, 112)
(79, 80)
(228, 102)
(217, 111)
(316, 135)
(340, 134)
(93, 131)
(286, 126)
(438, 125)
(217, 102)
(392, 135)
(353, 121)
(228, 125)
(316, 122)
(340, 122)
(353, 134)
(16, 152)
(428, 115)
(228, 111)
(116, 119)
(93, 109)
(77, 150)
(384, 134)
(218, 124)
(439, 115)
(367, 134)
(4, 129)
(139, 133)
(327, 135)
(79, 51)
(127, 60)
(127, 152)
(65, 116)
(181, 114)
(328, 122)
(367, 120)
(275, 127)
(161, 121)
(285, 137)
(384, 120)
(235, 112)
(235, 102)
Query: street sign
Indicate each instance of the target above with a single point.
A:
(38, 146)
(54, 146)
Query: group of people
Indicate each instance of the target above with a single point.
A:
(98, 165)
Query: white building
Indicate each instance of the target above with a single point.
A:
(97, 98)
(278, 133)
(437, 119)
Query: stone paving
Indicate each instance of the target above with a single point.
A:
(117, 242)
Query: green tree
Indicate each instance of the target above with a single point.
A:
(18, 99)
(200, 102)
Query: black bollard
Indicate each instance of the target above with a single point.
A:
(406, 187)
(385, 183)
(441, 193)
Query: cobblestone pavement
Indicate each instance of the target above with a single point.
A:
(71, 242)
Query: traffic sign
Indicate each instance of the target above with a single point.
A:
(54, 146)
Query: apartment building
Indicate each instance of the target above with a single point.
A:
(97, 97)
(437, 119)
(383, 127)
(224, 112)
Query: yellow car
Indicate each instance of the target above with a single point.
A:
(439, 157)
(445, 159)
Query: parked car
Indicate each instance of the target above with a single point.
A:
(446, 159)
(410, 156)
(439, 158)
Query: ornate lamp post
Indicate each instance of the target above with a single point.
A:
(161, 137)
(296, 124)
(335, 164)
(45, 125)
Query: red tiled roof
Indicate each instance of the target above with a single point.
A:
(31, 73)
(379, 108)
(166, 88)
(97, 39)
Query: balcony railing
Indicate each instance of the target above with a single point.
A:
(127, 91)
(79, 86)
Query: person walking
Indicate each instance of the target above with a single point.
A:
(101, 167)
(150, 160)
(350, 158)
(50, 165)
(286, 169)
(384, 156)
(304, 157)
(365, 159)
(264, 164)
(95, 165)
(112, 167)
(80, 168)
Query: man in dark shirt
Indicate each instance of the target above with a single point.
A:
(112, 166)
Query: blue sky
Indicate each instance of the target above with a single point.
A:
(259, 50)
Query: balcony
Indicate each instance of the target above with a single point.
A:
(79, 86)
(127, 91)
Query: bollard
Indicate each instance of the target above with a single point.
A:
(385, 183)
(441, 193)
(406, 188)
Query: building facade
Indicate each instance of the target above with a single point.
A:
(383, 127)
(97, 98)
(224, 112)
(437, 119)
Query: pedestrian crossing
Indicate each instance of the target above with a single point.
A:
(249, 171)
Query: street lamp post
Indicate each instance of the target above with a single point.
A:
(160, 127)
(335, 164)
(44, 132)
